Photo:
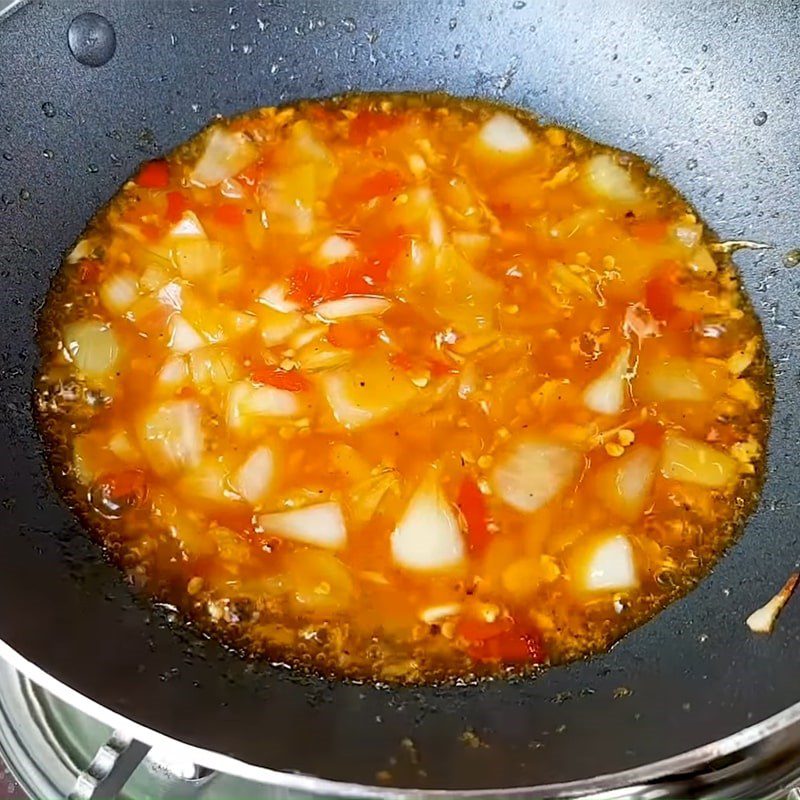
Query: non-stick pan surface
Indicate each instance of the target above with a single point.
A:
(707, 90)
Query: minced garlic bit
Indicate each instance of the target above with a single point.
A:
(763, 619)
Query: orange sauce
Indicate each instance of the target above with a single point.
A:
(404, 387)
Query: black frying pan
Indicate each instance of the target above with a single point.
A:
(705, 89)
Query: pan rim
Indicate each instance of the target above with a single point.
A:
(599, 787)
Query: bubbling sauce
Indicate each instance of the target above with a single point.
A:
(404, 387)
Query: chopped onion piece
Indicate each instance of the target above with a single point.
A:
(208, 481)
(83, 249)
(763, 619)
(675, 380)
(212, 367)
(355, 305)
(688, 234)
(437, 234)
(307, 335)
(171, 294)
(254, 478)
(606, 394)
(433, 614)
(606, 177)
(317, 355)
(417, 165)
(172, 436)
(702, 263)
(335, 248)
(367, 392)
(92, 347)
(471, 244)
(187, 227)
(690, 461)
(174, 373)
(225, 156)
(533, 472)
(275, 297)
(321, 525)
(611, 566)
(464, 296)
(427, 537)
(624, 484)
(365, 497)
(119, 291)
(319, 583)
(183, 338)
(504, 134)
(154, 277)
(198, 259)
(419, 260)
(123, 447)
(247, 400)
(232, 189)
(277, 326)
(271, 401)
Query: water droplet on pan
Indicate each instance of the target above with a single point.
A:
(92, 40)
(760, 118)
(48, 109)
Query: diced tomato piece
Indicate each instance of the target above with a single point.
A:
(472, 505)
(351, 335)
(440, 368)
(387, 181)
(651, 231)
(401, 361)
(368, 123)
(346, 277)
(89, 270)
(510, 647)
(151, 231)
(309, 285)
(649, 433)
(177, 203)
(304, 286)
(229, 214)
(382, 256)
(659, 294)
(290, 380)
(187, 392)
(502, 640)
(153, 175)
(477, 630)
